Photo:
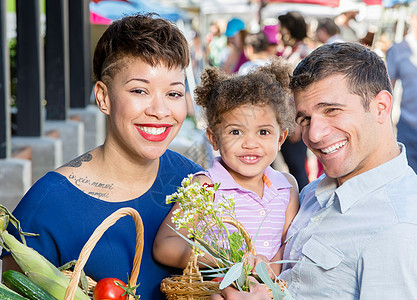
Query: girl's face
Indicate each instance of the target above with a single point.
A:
(146, 108)
(248, 138)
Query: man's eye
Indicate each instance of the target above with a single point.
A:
(332, 110)
(303, 121)
(264, 132)
(235, 132)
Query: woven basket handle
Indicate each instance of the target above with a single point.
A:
(95, 237)
(242, 230)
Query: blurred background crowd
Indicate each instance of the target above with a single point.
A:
(240, 41)
(238, 35)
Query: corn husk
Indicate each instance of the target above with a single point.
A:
(55, 288)
(30, 261)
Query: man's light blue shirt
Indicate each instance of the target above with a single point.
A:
(359, 240)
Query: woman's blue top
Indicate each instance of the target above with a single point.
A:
(65, 217)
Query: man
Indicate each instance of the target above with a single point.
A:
(256, 50)
(327, 31)
(402, 65)
(357, 224)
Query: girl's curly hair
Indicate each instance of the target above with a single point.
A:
(219, 92)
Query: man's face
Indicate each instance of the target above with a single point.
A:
(337, 128)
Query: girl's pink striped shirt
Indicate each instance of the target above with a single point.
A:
(266, 215)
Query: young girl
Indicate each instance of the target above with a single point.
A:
(249, 117)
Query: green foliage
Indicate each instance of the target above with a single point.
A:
(207, 231)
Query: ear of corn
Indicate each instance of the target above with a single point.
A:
(55, 288)
(27, 258)
(30, 261)
(44, 273)
(6, 217)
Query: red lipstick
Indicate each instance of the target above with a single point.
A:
(154, 132)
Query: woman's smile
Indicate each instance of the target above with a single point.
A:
(154, 132)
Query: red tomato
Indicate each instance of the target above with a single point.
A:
(217, 279)
(106, 289)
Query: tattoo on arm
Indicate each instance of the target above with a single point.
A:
(76, 162)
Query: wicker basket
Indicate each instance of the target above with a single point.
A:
(95, 237)
(91, 282)
(191, 285)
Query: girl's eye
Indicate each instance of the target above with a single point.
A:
(264, 132)
(235, 132)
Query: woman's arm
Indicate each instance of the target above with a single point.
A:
(171, 249)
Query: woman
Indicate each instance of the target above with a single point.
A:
(139, 65)
(235, 33)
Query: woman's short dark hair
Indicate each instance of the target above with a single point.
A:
(146, 36)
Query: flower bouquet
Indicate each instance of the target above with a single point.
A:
(211, 236)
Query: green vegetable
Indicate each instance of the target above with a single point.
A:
(24, 286)
(30, 261)
(8, 294)
(54, 288)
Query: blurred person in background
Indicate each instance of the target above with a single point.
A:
(327, 31)
(216, 43)
(401, 62)
(256, 50)
(293, 30)
(274, 39)
(347, 23)
(197, 54)
(235, 33)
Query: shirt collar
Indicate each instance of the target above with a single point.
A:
(325, 189)
(361, 185)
